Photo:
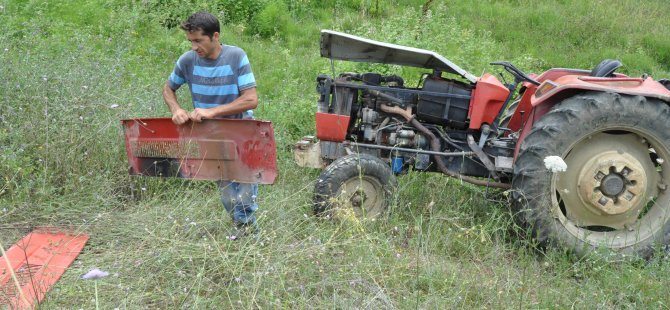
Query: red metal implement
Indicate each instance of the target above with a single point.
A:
(216, 149)
(37, 261)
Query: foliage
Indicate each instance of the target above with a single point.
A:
(272, 20)
(72, 69)
(172, 13)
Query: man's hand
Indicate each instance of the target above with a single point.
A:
(180, 117)
(199, 114)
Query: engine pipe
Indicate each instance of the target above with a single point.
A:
(406, 113)
(435, 145)
(388, 97)
(406, 150)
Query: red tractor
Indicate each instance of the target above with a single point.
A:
(610, 130)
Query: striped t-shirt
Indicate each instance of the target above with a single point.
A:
(214, 82)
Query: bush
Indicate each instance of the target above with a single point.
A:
(273, 20)
(172, 13)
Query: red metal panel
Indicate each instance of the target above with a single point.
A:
(331, 127)
(37, 261)
(487, 100)
(646, 87)
(216, 149)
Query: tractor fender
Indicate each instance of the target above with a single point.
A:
(570, 85)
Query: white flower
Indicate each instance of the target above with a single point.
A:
(95, 274)
(114, 106)
(555, 164)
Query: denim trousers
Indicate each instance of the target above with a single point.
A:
(239, 200)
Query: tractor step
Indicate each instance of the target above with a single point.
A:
(34, 264)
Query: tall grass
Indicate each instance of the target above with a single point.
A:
(69, 71)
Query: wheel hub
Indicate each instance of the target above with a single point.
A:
(358, 199)
(364, 195)
(612, 185)
(608, 182)
(616, 185)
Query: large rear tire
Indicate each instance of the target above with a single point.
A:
(614, 193)
(360, 183)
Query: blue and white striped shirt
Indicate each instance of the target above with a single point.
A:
(214, 82)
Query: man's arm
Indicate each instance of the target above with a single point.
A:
(179, 115)
(247, 100)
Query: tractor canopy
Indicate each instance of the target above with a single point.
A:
(342, 46)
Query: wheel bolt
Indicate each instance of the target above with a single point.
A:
(602, 201)
(628, 196)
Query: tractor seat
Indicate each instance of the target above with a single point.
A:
(606, 68)
(665, 82)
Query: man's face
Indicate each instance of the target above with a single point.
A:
(203, 45)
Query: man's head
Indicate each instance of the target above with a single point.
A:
(202, 29)
(202, 21)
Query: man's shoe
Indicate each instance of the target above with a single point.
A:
(239, 231)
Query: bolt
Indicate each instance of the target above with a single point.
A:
(628, 196)
(599, 176)
(625, 171)
(602, 201)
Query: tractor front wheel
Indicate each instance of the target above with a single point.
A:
(614, 192)
(358, 184)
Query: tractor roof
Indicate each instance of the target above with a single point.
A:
(342, 46)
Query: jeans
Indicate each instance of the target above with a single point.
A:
(239, 199)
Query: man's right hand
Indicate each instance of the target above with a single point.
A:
(180, 117)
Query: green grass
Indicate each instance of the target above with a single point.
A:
(446, 244)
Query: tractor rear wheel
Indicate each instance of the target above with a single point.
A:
(357, 183)
(614, 193)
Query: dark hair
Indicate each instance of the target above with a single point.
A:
(203, 21)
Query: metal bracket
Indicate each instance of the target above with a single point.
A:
(483, 157)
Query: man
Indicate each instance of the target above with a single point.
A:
(222, 86)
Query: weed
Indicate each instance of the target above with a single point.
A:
(62, 159)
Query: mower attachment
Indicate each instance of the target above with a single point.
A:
(36, 262)
(216, 149)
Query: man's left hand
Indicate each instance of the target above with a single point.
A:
(199, 114)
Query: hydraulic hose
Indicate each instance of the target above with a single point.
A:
(435, 146)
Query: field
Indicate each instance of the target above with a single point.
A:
(71, 70)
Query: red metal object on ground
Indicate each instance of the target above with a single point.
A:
(37, 261)
(216, 149)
